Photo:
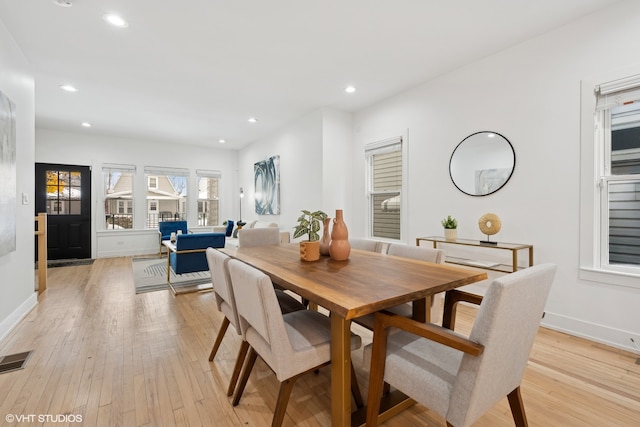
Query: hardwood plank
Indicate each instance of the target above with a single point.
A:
(118, 358)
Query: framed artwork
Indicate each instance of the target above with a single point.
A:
(7, 175)
(266, 177)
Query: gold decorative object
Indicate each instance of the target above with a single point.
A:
(489, 224)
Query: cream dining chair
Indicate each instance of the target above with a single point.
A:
(248, 237)
(226, 303)
(291, 344)
(419, 253)
(461, 378)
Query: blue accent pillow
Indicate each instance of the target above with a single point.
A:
(229, 228)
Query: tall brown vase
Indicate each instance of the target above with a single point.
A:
(339, 248)
(326, 237)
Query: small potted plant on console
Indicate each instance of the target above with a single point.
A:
(450, 228)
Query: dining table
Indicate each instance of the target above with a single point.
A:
(365, 283)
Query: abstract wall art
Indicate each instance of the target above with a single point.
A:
(267, 186)
(7, 175)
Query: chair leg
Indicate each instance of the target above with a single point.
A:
(355, 389)
(376, 375)
(283, 400)
(517, 408)
(248, 366)
(221, 332)
(242, 354)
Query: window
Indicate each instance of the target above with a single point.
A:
(63, 192)
(118, 196)
(152, 182)
(384, 188)
(615, 170)
(208, 213)
(166, 194)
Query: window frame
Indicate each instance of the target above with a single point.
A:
(595, 160)
(129, 204)
(209, 174)
(370, 150)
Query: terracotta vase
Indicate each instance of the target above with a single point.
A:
(326, 237)
(339, 248)
(310, 250)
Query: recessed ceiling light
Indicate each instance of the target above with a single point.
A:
(252, 120)
(350, 89)
(115, 20)
(68, 88)
(86, 124)
(62, 3)
(221, 141)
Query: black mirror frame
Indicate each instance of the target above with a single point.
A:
(504, 183)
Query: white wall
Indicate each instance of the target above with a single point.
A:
(315, 159)
(337, 177)
(299, 146)
(17, 294)
(531, 95)
(85, 148)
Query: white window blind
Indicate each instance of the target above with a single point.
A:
(618, 92)
(162, 170)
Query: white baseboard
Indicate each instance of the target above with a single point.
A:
(602, 334)
(8, 324)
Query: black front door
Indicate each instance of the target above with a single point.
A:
(64, 193)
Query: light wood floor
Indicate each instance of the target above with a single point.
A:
(120, 359)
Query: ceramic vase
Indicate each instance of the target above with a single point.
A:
(339, 248)
(326, 237)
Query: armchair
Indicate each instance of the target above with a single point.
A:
(461, 378)
(190, 252)
(165, 228)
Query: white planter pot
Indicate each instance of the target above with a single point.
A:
(450, 233)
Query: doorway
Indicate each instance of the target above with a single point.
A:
(64, 193)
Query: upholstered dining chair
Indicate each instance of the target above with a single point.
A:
(290, 344)
(414, 252)
(461, 378)
(264, 236)
(369, 245)
(248, 237)
(226, 303)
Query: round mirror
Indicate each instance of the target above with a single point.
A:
(482, 163)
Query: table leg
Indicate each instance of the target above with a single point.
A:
(340, 371)
(168, 265)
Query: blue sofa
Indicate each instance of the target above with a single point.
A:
(165, 228)
(190, 251)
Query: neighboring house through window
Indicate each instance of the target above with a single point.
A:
(610, 183)
(166, 194)
(384, 188)
(118, 196)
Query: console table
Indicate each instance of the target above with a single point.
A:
(505, 268)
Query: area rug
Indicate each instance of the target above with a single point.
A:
(150, 274)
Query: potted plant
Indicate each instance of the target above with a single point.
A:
(309, 225)
(450, 228)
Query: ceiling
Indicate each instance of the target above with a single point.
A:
(194, 71)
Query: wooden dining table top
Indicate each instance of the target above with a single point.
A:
(365, 283)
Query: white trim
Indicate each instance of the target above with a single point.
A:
(610, 277)
(592, 331)
(10, 323)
